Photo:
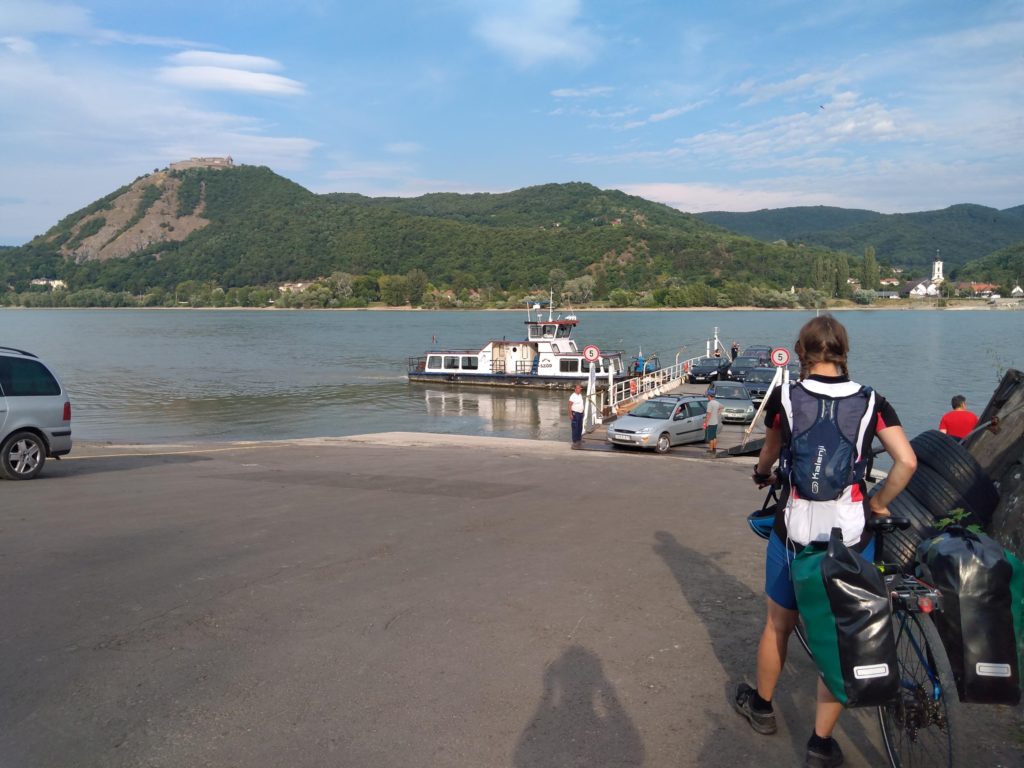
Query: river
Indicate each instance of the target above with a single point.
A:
(204, 375)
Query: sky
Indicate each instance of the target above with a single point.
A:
(888, 105)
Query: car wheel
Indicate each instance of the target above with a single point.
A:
(664, 443)
(22, 456)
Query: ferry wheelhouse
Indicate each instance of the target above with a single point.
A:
(547, 357)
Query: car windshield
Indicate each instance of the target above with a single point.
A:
(761, 375)
(727, 391)
(654, 409)
(746, 362)
(708, 361)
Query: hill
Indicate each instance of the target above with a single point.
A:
(960, 233)
(1005, 267)
(247, 226)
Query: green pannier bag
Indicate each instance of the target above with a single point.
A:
(847, 620)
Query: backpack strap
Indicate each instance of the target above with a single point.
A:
(865, 422)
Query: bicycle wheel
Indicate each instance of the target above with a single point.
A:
(921, 728)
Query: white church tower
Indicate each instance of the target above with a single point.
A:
(937, 269)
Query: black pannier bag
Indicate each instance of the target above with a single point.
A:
(980, 623)
(847, 617)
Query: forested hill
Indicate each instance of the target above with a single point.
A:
(247, 226)
(1005, 267)
(960, 233)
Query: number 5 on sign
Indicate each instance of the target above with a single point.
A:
(591, 353)
(780, 356)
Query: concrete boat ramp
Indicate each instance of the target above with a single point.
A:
(396, 600)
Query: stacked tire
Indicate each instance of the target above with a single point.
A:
(947, 478)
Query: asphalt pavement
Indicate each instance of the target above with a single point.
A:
(395, 600)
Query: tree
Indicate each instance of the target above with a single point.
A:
(416, 283)
(869, 278)
(580, 289)
(394, 290)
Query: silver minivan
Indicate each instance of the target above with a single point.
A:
(35, 415)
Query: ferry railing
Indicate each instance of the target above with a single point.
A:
(623, 395)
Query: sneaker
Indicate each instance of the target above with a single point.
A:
(818, 759)
(762, 722)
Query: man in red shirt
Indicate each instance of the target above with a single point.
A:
(959, 422)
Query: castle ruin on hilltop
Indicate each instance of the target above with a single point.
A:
(202, 162)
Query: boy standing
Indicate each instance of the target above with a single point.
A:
(711, 419)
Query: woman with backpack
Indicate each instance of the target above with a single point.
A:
(821, 428)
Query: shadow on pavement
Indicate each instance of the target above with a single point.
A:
(733, 616)
(579, 721)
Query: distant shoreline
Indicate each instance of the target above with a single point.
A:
(1015, 305)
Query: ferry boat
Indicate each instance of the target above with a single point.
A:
(547, 357)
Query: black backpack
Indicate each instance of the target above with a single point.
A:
(823, 457)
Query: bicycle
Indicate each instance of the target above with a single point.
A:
(921, 727)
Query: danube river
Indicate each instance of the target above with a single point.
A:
(188, 375)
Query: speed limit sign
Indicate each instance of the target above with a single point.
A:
(780, 356)
(591, 353)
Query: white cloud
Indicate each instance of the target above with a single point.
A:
(226, 79)
(26, 18)
(695, 198)
(18, 45)
(582, 93)
(532, 32)
(667, 114)
(230, 60)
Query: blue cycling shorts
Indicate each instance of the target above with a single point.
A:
(778, 583)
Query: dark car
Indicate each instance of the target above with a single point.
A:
(757, 382)
(743, 365)
(708, 369)
(758, 350)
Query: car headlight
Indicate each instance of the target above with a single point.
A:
(750, 409)
(644, 431)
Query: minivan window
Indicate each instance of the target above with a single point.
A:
(26, 378)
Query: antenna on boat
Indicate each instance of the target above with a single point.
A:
(551, 302)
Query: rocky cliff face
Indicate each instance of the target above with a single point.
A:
(146, 213)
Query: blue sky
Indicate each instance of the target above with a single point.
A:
(887, 105)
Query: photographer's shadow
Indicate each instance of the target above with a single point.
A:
(579, 720)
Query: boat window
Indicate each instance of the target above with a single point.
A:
(451, 363)
(434, 361)
(535, 332)
(569, 366)
(564, 331)
(470, 363)
(549, 331)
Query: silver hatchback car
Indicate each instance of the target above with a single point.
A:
(661, 422)
(35, 415)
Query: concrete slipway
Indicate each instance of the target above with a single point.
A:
(395, 600)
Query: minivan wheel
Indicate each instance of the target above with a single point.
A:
(664, 443)
(22, 456)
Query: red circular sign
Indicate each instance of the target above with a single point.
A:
(591, 353)
(780, 356)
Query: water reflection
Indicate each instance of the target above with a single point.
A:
(521, 412)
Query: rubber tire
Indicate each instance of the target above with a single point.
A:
(664, 444)
(951, 460)
(937, 495)
(929, 638)
(34, 444)
(900, 547)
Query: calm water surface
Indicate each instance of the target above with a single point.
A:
(161, 376)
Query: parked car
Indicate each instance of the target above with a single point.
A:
(661, 422)
(35, 415)
(757, 382)
(743, 365)
(708, 369)
(758, 350)
(736, 403)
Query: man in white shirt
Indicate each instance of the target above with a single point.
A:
(711, 421)
(576, 416)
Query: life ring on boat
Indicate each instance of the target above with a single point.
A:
(686, 367)
(632, 386)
